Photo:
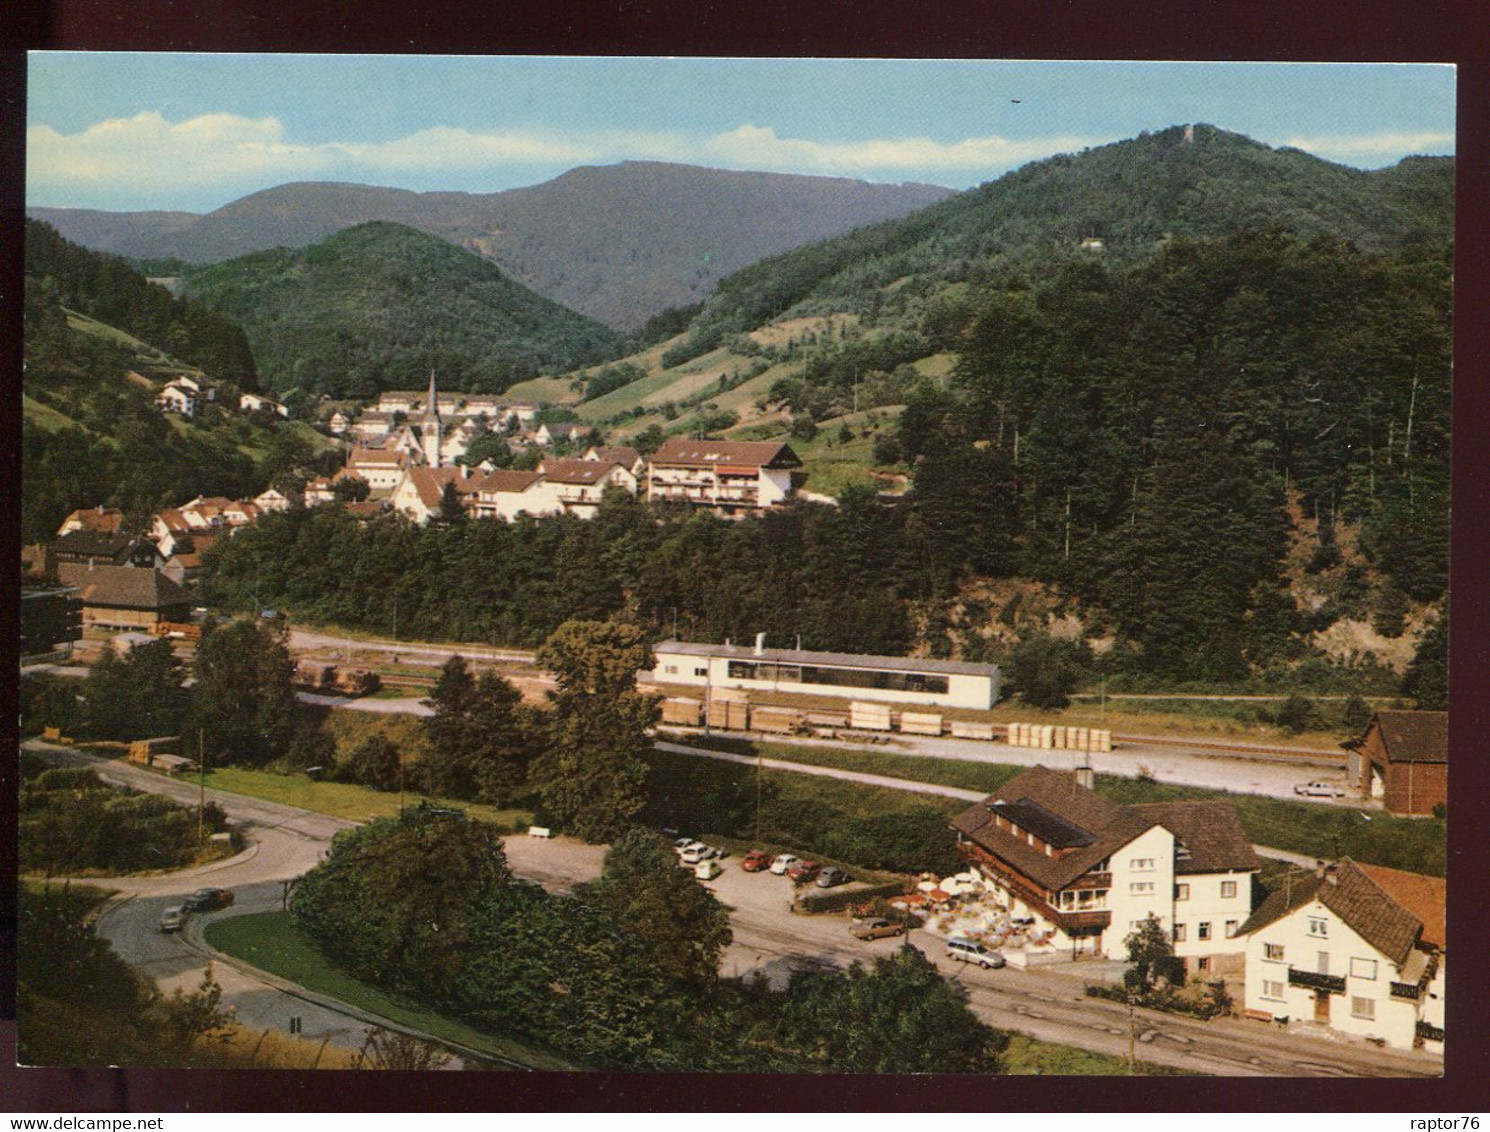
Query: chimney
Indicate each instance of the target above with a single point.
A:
(1085, 777)
(760, 643)
(1319, 868)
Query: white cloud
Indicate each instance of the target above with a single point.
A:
(761, 147)
(149, 157)
(1355, 148)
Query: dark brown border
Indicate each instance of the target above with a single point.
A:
(1148, 29)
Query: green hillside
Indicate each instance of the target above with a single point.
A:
(378, 306)
(1133, 196)
(90, 431)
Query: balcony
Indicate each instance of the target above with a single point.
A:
(1335, 984)
(1429, 1032)
(1410, 991)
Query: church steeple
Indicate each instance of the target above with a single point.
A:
(431, 429)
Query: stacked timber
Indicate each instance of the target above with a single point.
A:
(778, 720)
(680, 711)
(868, 717)
(920, 723)
(961, 729)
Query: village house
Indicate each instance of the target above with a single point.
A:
(271, 500)
(629, 458)
(251, 402)
(370, 428)
(339, 424)
(1354, 949)
(103, 519)
(124, 598)
(1089, 871)
(319, 490)
(418, 494)
(506, 494)
(1402, 761)
(99, 548)
(177, 397)
(382, 469)
(734, 477)
(578, 485)
(398, 401)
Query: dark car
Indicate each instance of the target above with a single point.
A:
(208, 899)
(832, 877)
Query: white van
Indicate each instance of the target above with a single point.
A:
(970, 951)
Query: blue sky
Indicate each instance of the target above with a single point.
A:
(159, 131)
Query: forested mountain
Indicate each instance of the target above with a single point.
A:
(1133, 196)
(378, 306)
(106, 288)
(620, 243)
(91, 433)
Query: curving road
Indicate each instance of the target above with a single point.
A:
(769, 941)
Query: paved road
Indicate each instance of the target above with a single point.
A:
(769, 941)
(305, 640)
(1164, 764)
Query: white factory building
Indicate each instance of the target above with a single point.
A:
(886, 679)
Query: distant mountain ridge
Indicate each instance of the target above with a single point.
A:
(619, 242)
(378, 305)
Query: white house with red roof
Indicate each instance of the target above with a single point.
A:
(1351, 949)
(734, 477)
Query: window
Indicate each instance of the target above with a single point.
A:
(1179, 933)
(1273, 951)
(671, 669)
(1323, 966)
(1228, 889)
(1142, 864)
(1231, 927)
(1182, 892)
(1203, 963)
(1362, 1008)
(1363, 968)
(700, 671)
(1203, 930)
(1271, 989)
(1319, 926)
(1141, 888)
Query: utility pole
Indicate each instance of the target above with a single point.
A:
(201, 783)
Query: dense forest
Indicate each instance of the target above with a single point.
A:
(377, 306)
(91, 433)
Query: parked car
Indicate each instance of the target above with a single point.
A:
(208, 899)
(804, 871)
(1319, 790)
(782, 863)
(707, 870)
(686, 844)
(173, 919)
(875, 929)
(970, 951)
(756, 861)
(832, 878)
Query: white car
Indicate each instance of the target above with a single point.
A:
(1319, 790)
(698, 852)
(782, 863)
(685, 846)
(707, 870)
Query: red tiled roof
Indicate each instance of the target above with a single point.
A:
(584, 472)
(756, 453)
(376, 457)
(104, 519)
(1369, 910)
(1422, 896)
(1414, 736)
(124, 587)
(430, 483)
(507, 480)
(617, 454)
